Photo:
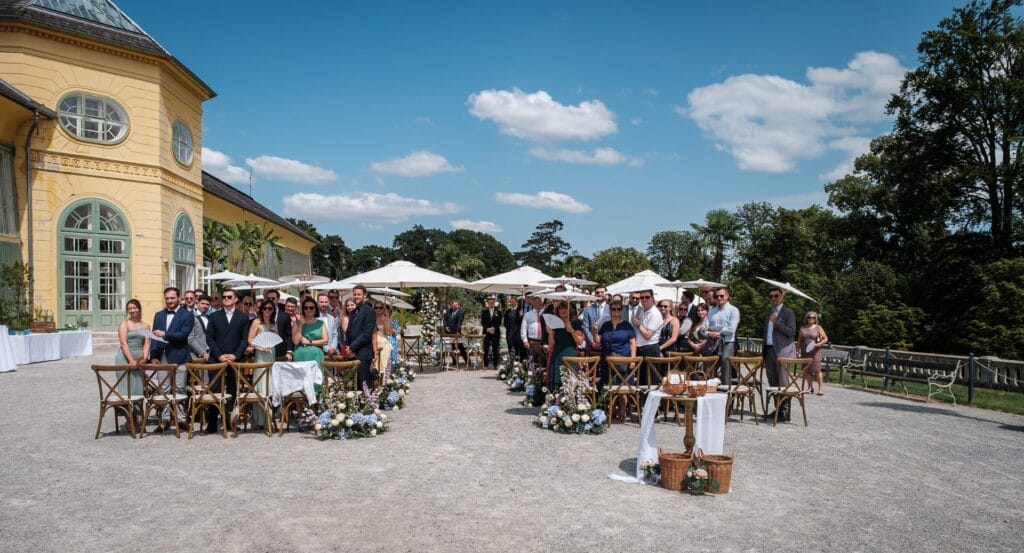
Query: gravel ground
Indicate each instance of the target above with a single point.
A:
(462, 468)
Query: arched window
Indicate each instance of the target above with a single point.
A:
(94, 263)
(181, 142)
(183, 241)
(93, 118)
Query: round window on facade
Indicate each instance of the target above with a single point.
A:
(181, 142)
(93, 118)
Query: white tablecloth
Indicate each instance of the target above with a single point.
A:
(36, 348)
(709, 430)
(7, 360)
(286, 378)
(75, 344)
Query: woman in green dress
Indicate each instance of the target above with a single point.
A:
(561, 343)
(263, 323)
(310, 336)
(133, 335)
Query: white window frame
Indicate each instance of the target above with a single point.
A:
(181, 142)
(74, 122)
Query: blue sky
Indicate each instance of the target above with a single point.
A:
(619, 119)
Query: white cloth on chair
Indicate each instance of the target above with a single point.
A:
(288, 377)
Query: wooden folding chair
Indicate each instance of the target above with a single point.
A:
(622, 382)
(253, 383)
(794, 389)
(746, 370)
(657, 369)
(702, 363)
(207, 385)
(412, 347)
(587, 369)
(450, 351)
(108, 380)
(344, 373)
(162, 393)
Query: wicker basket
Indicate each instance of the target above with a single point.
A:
(697, 388)
(673, 469)
(720, 470)
(40, 327)
(674, 388)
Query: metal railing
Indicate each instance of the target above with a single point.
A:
(984, 372)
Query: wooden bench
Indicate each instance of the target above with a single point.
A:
(839, 359)
(938, 375)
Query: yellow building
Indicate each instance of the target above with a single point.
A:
(101, 186)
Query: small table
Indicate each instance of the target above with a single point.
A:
(449, 351)
(474, 345)
(35, 348)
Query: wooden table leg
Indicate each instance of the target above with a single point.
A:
(689, 440)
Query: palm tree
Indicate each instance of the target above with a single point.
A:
(450, 260)
(574, 266)
(215, 241)
(266, 240)
(720, 231)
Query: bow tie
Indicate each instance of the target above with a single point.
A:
(172, 311)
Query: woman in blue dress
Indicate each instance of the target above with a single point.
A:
(616, 338)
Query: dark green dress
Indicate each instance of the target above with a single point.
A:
(311, 331)
(565, 346)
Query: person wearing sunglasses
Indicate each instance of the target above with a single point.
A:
(723, 320)
(811, 343)
(265, 321)
(616, 338)
(226, 334)
(310, 336)
(779, 332)
(669, 336)
(647, 322)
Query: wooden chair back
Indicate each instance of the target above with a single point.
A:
(621, 378)
(341, 372)
(746, 369)
(794, 368)
(703, 363)
(109, 378)
(161, 392)
(253, 389)
(658, 368)
(587, 369)
(207, 383)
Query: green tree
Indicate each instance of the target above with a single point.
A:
(545, 250)
(719, 232)
(889, 325)
(370, 257)
(574, 266)
(307, 227)
(495, 256)
(417, 245)
(215, 243)
(614, 264)
(678, 255)
(331, 258)
(995, 325)
(450, 260)
(961, 112)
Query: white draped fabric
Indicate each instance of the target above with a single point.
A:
(709, 431)
(75, 344)
(286, 378)
(35, 348)
(7, 360)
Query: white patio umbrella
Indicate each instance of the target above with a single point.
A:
(787, 287)
(250, 281)
(393, 302)
(385, 291)
(567, 295)
(332, 285)
(644, 280)
(700, 283)
(676, 285)
(565, 280)
(224, 275)
(517, 281)
(305, 278)
(403, 274)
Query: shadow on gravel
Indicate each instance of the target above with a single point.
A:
(912, 408)
(525, 411)
(628, 466)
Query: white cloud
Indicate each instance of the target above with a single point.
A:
(416, 164)
(363, 206)
(281, 169)
(598, 156)
(854, 146)
(543, 200)
(538, 116)
(769, 123)
(479, 226)
(219, 165)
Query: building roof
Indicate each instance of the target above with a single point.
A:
(22, 99)
(234, 196)
(99, 20)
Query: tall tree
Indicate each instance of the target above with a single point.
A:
(719, 232)
(370, 257)
(451, 260)
(417, 245)
(545, 250)
(574, 266)
(676, 255)
(215, 243)
(494, 255)
(614, 264)
(331, 258)
(962, 113)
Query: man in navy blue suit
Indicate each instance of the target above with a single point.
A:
(359, 335)
(226, 334)
(173, 325)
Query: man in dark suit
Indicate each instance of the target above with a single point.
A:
(173, 325)
(226, 334)
(359, 336)
(490, 320)
(452, 323)
(779, 331)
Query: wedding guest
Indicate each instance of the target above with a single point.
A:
(226, 335)
(331, 324)
(346, 315)
(359, 336)
(334, 298)
(283, 321)
(452, 322)
(532, 333)
(310, 336)
(512, 319)
(189, 300)
(593, 314)
(133, 337)
(491, 321)
(647, 322)
(203, 310)
(669, 335)
(811, 344)
(264, 322)
(174, 325)
(698, 336)
(723, 320)
(615, 338)
(216, 303)
(388, 331)
(561, 343)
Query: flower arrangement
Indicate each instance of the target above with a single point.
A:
(534, 381)
(430, 317)
(568, 411)
(392, 392)
(514, 376)
(652, 472)
(698, 482)
(347, 415)
(403, 370)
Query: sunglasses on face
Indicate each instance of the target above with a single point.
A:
(613, 309)
(662, 307)
(720, 296)
(774, 295)
(268, 307)
(645, 297)
(309, 308)
(378, 309)
(229, 297)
